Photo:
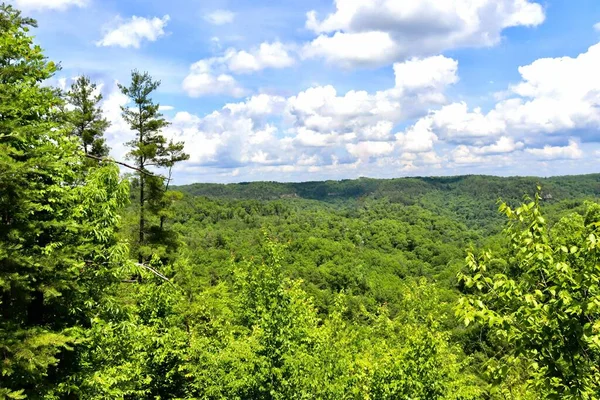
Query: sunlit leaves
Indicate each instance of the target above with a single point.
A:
(545, 317)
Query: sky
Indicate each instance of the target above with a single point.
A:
(305, 90)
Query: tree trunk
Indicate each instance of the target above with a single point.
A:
(142, 183)
(142, 219)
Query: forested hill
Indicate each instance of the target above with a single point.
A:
(471, 200)
(406, 189)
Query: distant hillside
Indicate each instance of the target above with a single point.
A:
(405, 189)
(471, 199)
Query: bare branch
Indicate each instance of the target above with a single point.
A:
(155, 272)
(141, 171)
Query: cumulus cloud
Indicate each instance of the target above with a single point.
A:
(501, 146)
(258, 105)
(464, 155)
(418, 138)
(570, 152)
(366, 150)
(352, 49)
(49, 4)
(220, 17)
(372, 115)
(316, 131)
(434, 72)
(538, 105)
(131, 32)
(597, 27)
(321, 130)
(319, 127)
(214, 75)
(267, 55)
(202, 81)
(376, 32)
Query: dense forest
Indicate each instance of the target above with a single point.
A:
(116, 284)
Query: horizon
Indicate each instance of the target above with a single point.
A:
(325, 90)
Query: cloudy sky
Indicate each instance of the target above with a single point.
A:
(301, 90)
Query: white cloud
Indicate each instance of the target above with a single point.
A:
(454, 121)
(503, 145)
(49, 4)
(597, 26)
(383, 31)
(259, 105)
(430, 158)
(570, 152)
(352, 49)
(433, 72)
(220, 17)
(372, 115)
(366, 150)
(202, 82)
(418, 138)
(118, 132)
(317, 131)
(317, 127)
(493, 153)
(166, 108)
(131, 33)
(213, 75)
(540, 104)
(267, 55)
(463, 155)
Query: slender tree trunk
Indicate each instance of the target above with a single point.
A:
(142, 219)
(162, 218)
(142, 184)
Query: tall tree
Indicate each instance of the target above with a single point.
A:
(150, 148)
(57, 242)
(86, 116)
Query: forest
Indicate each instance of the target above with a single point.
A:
(117, 284)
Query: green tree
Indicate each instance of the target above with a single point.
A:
(265, 340)
(543, 307)
(59, 257)
(149, 149)
(86, 116)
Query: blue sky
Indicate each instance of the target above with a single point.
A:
(333, 89)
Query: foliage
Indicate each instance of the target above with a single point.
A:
(544, 306)
(58, 251)
(86, 118)
(150, 149)
(278, 348)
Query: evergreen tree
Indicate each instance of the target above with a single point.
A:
(58, 250)
(149, 149)
(86, 117)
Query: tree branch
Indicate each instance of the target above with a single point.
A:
(155, 272)
(141, 171)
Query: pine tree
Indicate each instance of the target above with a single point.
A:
(86, 116)
(149, 149)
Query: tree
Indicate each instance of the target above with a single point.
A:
(150, 148)
(59, 256)
(86, 116)
(262, 338)
(543, 307)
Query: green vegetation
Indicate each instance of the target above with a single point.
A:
(124, 287)
(86, 118)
